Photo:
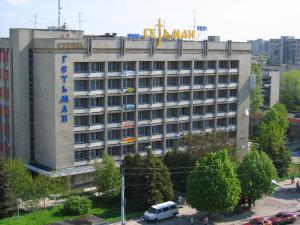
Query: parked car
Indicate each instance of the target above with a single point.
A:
(297, 115)
(259, 221)
(161, 211)
(283, 218)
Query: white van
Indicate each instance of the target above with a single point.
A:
(161, 211)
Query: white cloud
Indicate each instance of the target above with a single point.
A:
(10, 14)
(18, 2)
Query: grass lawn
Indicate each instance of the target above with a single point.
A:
(109, 212)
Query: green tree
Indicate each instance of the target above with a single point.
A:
(283, 118)
(213, 185)
(255, 173)
(147, 179)
(7, 199)
(290, 89)
(256, 99)
(180, 164)
(107, 176)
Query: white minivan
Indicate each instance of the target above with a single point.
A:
(161, 211)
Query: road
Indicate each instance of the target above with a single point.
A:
(295, 153)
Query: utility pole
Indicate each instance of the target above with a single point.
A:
(122, 193)
(59, 14)
(79, 20)
(34, 21)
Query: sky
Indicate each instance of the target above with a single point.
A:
(237, 20)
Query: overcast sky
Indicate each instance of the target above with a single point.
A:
(237, 20)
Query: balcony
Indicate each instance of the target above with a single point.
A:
(210, 71)
(89, 75)
(129, 90)
(144, 122)
(144, 138)
(155, 137)
(88, 110)
(233, 70)
(114, 125)
(172, 135)
(89, 127)
(114, 91)
(88, 145)
(88, 93)
(114, 142)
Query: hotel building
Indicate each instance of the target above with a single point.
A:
(66, 97)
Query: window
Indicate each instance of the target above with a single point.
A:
(157, 82)
(198, 110)
(211, 80)
(222, 108)
(172, 113)
(185, 80)
(210, 94)
(129, 66)
(128, 149)
(222, 93)
(114, 117)
(97, 67)
(145, 66)
(128, 116)
(222, 79)
(199, 65)
(80, 156)
(199, 80)
(81, 85)
(96, 153)
(157, 145)
(232, 107)
(144, 82)
(144, 99)
(223, 64)
(234, 64)
(186, 65)
(157, 114)
(185, 96)
(143, 146)
(79, 138)
(144, 131)
(128, 99)
(81, 121)
(97, 119)
(157, 98)
(157, 65)
(185, 111)
(114, 150)
(198, 95)
(128, 83)
(221, 122)
(144, 115)
(172, 97)
(96, 102)
(171, 143)
(113, 134)
(172, 81)
(80, 103)
(114, 84)
(184, 126)
(211, 65)
(209, 109)
(128, 133)
(96, 85)
(233, 93)
(114, 66)
(232, 121)
(166, 209)
(234, 78)
(198, 125)
(157, 129)
(173, 65)
(114, 101)
(81, 67)
(95, 136)
(172, 128)
(209, 123)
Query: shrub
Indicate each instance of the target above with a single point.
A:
(76, 205)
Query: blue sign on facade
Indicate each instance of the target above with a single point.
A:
(64, 98)
(201, 28)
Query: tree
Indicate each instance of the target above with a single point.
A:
(282, 116)
(7, 199)
(256, 98)
(147, 179)
(290, 89)
(255, 173)
(180, 164)
(107, 176)
(213, 185)
(198, 145)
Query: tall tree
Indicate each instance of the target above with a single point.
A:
(255, 173)
(256, 98)
(213, 185)
(180, 164)
(107, 176)
(147, 179)
(7, 199)
(290, 89)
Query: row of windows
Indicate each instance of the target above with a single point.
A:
(80, 138)
(86, 85)
(94, 67)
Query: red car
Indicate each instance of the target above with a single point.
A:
(283, 218)
(259, 221)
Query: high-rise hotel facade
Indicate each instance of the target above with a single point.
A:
(66, 98)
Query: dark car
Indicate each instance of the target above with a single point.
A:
(259, 221)
(283, 218)
(297, 115)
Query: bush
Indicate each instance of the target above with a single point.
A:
(77, 205)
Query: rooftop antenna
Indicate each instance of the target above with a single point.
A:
(194, 20)
(79, 20)
(34, 21)
(59, 14)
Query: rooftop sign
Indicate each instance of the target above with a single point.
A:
(70, 45)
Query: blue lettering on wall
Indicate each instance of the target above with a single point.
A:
(202, 28)
(64, 98)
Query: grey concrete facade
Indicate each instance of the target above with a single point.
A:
(123, 95)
